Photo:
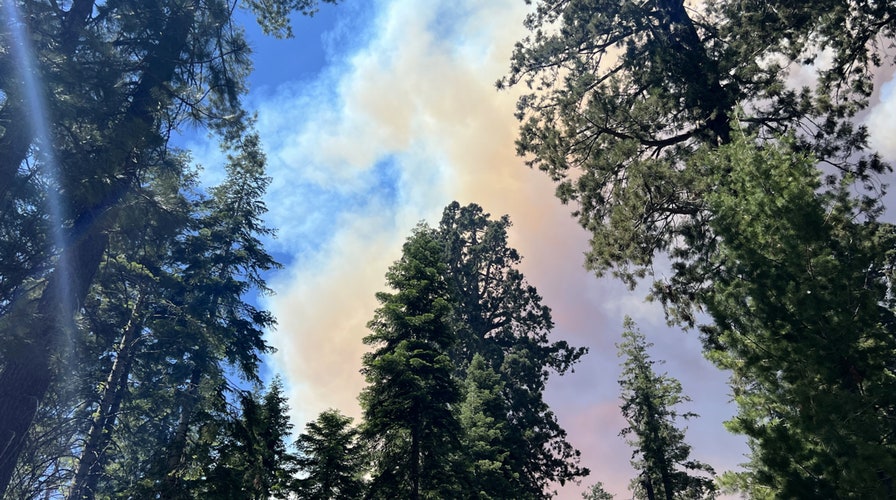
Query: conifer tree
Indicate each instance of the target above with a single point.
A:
(253, 459)
(500, 317)
(648, 404)
(804, 319)
(116, 79)
(483, 335)
(491, 473)
(656, 120)
(410, 425)
(331, 458)
(597, 492)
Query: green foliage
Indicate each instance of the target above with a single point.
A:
(804, 320)
(500, 318)
(409, 422)
(117, 78)
(597, 492)
(648, 404)
(624, 93)
(463, 346)
(273, 16)
(639, 110)
(252, 461)
(492, 474)
(331, 458)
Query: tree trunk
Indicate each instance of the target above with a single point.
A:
(648, 487)
(19, 133)
(415, 462)
(714, 101)
(37, 331)
(179, 442)
(92, 457)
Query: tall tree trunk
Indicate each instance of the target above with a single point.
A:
(415, 462)
(19, 133)
(178, 445)
(648, 486)
(713, 100)
(92, 457)
(38, 329)
(27, 374)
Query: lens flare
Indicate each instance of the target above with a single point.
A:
(32, 91)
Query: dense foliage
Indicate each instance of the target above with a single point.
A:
(460, 361)
(804, 319)
(331, 459)
(115, 268)
(129, 351)
(501, 318)
(677, 132)
(409, 422)
(649, 402)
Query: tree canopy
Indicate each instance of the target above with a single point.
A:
(685, 145)
(462, 354)
(109, 250)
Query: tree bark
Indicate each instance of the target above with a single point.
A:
(92, 457)
(179, 442)
(714, 101)
(37, 330)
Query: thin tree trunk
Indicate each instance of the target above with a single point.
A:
(415, 463)
(92, 457)
(648, 487)
(179, 442)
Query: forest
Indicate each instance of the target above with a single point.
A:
(716, 156)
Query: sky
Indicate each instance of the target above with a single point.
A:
(375, 117)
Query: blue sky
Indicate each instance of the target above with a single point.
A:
(376, 116)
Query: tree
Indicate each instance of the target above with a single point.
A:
(597, 492)
(637, 110)
(331, 458)
(116, 79)
(122, 311)
(410, 424)
(804, 319)
(648, 404)
(222, 261)
(253, 461)
(494, 342)
(625, 92)
(501, 319)
(491, 472)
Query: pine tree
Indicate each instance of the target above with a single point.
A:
(624, 93)
(492, 475)
(253, 460)
(410, 425)
(656, 119)
(331, 459)
(804, 320)
(648, 404)
(117, 78)
(597, 492)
